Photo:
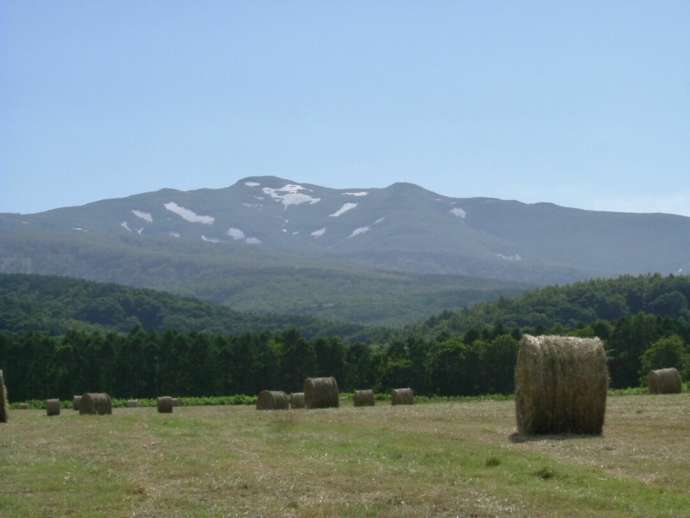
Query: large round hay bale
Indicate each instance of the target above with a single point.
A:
(561, 385)
(165, 405)
(297, 400)
(321, 393)
(95, 403)
(52, 407)
(363, 398)
(4, 400)
(132, 403)
(272, 400)
(402, 396)
(75, 402)
(665, 381)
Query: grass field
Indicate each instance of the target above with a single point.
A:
(440, 459)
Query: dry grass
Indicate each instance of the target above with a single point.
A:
(444, 459)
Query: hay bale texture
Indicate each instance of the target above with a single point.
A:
(297, 400)
(321, 393)
(363, 398)
(561, 385)
(402, 396)
(4, 401)
(665, 381)
(52, 407)
(95, 403)
(75, 402)
(132, 403)
(165, 405)
(272, 400)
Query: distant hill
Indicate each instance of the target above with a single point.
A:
(372, 256)
(56, 304)
(571, 306)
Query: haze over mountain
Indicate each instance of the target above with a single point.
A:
(282, 237)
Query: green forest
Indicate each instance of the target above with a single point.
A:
(643, 321)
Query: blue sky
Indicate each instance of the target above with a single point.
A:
(586, 105)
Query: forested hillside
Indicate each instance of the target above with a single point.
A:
(54, 305)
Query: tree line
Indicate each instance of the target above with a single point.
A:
(150, 363)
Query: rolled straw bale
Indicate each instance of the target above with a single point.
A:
(561, 385)
(321, 393)
(402, 396)
(272, 400)
(297, 400)
(364, 398)
(132, 403)
(53, 407)
(75, 402)
(93, 403)
(176, 401)
(22, 406)
(4, 400)
(665, 381)
(165, 405)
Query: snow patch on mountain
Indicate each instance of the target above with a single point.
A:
(125, 226)
(252, 184)
(253, 241)
(290, 194)
(356, 194)
(188, 214)
(512, 258)
(457, 211)
(358, 232)
(236, 234)
(146, 216)
(342, 210)
(318, 233)
(210, 239)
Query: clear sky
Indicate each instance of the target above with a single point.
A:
(584, 104)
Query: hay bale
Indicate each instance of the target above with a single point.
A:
(297, 400)
(22, 406)
(561, 385)
(272, 400)
(75, 402)
(132, 403)
(52, 407)
(364, 398)
(321, 393)
(402, 396)
(165, 405)
(176, 402)
(95, 403)
(4, 400)
(665, 381)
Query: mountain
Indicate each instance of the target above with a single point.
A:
(377, 256)
(55, 305)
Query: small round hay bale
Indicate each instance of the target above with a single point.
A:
(75, 402)
(132, 403)
(4, 400)
(165, 405)
(363, 398)
(272, 400)
(297, 400)
(665, 381)
(52, 407)
(22, 406)
(402, 396)
(321, 393)
(561, 384)
(95, 403)
(176, 401)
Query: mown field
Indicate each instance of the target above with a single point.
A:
(437, 459)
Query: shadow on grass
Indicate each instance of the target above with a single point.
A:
(517, 437)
